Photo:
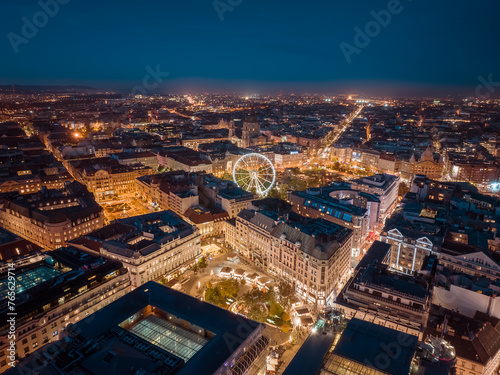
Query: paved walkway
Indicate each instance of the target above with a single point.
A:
(197, 284)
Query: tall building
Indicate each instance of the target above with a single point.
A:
(404, 300)
(427, 164)
(251, 129)
(182, 158)
(106, 177)
(233, 199)
(411, 242)
(312, 254)
(315, 257)
(319, 203)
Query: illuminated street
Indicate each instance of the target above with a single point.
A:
(235, 187)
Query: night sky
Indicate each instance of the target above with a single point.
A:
(428, 45)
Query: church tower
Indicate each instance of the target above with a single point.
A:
(251, 128)
(369, 129)
(231, 128)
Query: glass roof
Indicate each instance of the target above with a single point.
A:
(168, 336)
(29, 279)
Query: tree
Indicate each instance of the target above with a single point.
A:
(202, 263)
(286, 293)
(209, 284)
(195, 268)
(257, 312)
(214, 295)
(285, 317)
(229, 288)
(286, 327)
(274, 193)
(275, 309)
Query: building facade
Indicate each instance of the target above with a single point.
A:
(386, 186)
(151, 247)
(51, 218)
(69, 286)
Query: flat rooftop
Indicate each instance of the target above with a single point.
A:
(379, 275)
(235, 193)
(377, 252)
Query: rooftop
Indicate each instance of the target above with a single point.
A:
(158, 330)
(309, 358)
(44, 278)
(73, 202)
(363, 342)
(142, 235)
(379, 181)
(379, 275)
(236, 193)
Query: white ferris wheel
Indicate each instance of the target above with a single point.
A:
(254, 173)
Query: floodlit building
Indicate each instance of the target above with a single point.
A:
(51, 218)
(183, 158)
(150, 246)
(378, 294)
(315, 257)
(386, 186)
(319, 203)
(106, 177)
(145, 158)
(312, 254)
(377, 289)
(233, 200)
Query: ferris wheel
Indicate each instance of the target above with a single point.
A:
(254, 173)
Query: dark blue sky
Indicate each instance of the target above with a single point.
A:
(273, 44)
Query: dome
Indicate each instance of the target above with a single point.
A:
(427, 154)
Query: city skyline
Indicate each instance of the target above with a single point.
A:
(236, 187)
(389, 48)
